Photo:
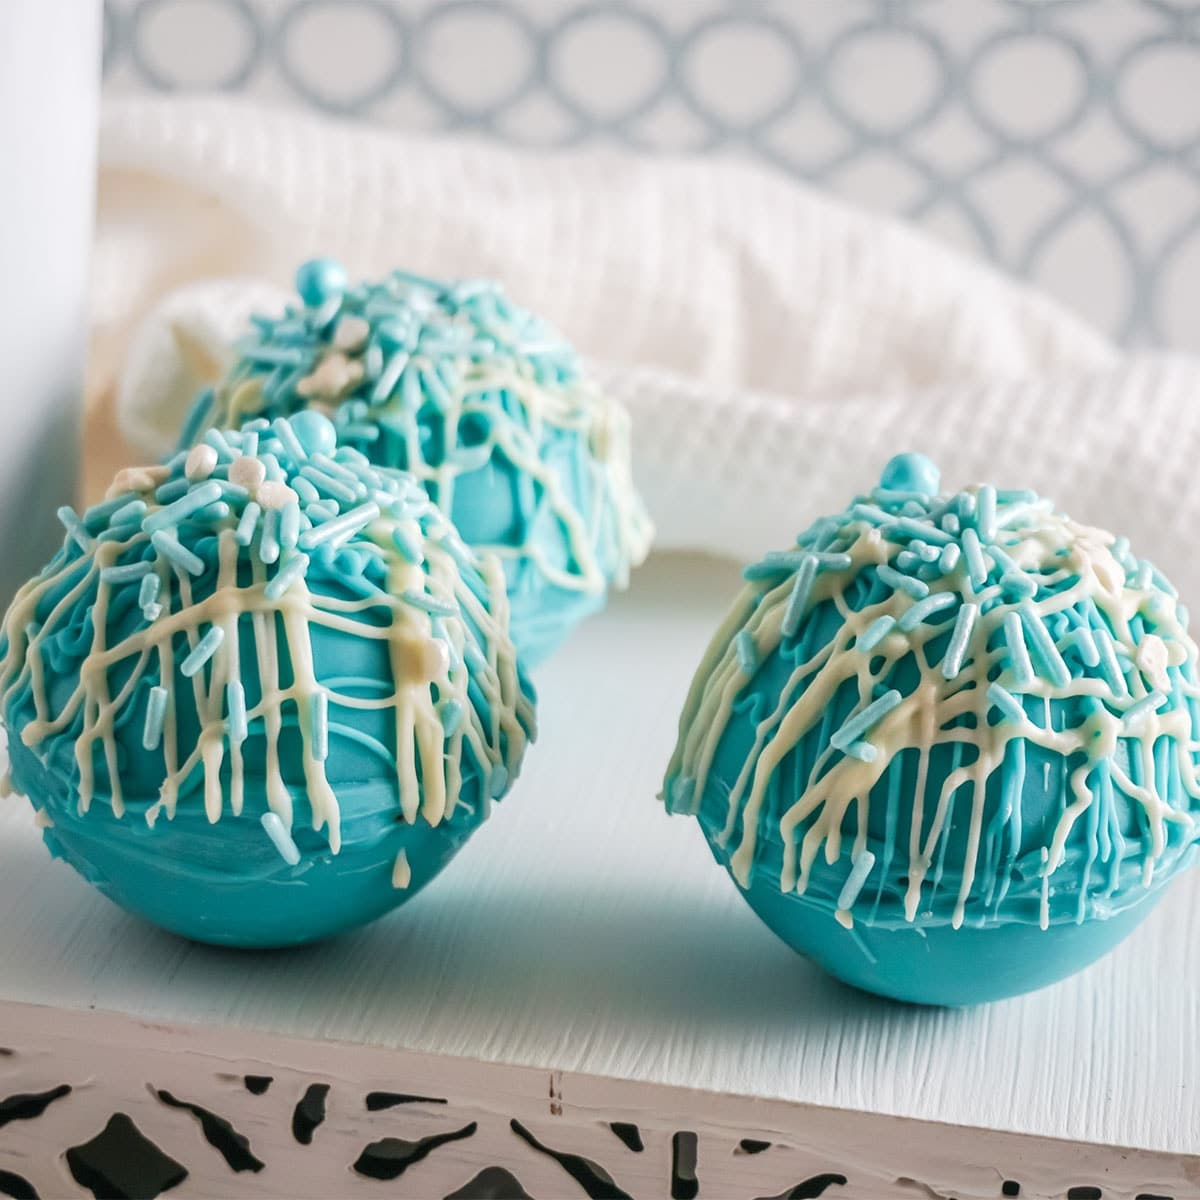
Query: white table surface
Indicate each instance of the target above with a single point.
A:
(584, 930)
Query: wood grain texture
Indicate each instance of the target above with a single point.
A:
(582, 930)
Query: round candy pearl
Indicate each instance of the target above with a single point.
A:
(320, 279)
(315, 432)
(201, 462)
(911, 473)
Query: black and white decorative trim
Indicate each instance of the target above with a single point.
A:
(102, 1105)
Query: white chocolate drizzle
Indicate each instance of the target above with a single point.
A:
(935, 639)
(207, 580)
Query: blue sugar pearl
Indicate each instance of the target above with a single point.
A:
(911, 473)
(319, 280)
(315, 432)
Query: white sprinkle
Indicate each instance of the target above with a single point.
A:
(201, 462)
(401, 872)
(43, 820)
(275, 495)
(282, 840)
(247, 472)
(351, 333)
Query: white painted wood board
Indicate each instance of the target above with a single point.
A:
(582, 930)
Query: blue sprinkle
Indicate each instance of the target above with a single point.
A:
(268, 542)
(129, 573)
(915, 588)
(267, 356)
(1018, 652)
(74, 527)
(342, 526)
(235, 712)
(906, 560)
(977, 570)
(409, 544)
(319, 727)
(907, 527)
(747, 652)
(216, 439)
(196, 499)
(282, 429)
(304, 489)
(281, 839)
(497, 781)
(866, 720)
(860, 870)
(435, 389)
(875, 633)
(949, 557)
(871, 513)
(428, 604)
(344, 474)
(1016, 496)
(1043, 646)
(134, 510)
(148, 592)
(1089, 653)
(1006, 702)
(327, 485)
(917, 614)
(1145, 575)
(985, 513)
(289, 525)
(271, 463)
(450, 712)
(950, 523)
(156, 713)
(361, 432)
(1018, 585)
(1142, 708)
(294, 569)
(386, 384)
(964, 625)
(798, 599)
(863, 751)
(206, 647)
(246, 526)
(179, 555)
(320, 511)
(171, 491)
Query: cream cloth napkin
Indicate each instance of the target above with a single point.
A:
(773, 346)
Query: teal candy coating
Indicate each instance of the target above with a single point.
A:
(1035, 658)
(482, 401)
(223, 880)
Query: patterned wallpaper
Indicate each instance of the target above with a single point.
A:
(1060, 138)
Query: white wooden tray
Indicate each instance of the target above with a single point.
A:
(582, 963)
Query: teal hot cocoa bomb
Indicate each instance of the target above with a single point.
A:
(946, 744)
(483, 403)
(263, 693)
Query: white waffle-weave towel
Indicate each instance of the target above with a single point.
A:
(774, 346)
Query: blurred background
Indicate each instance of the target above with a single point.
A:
(1058, 138)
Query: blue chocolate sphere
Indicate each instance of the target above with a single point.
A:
(483, 403)
(946, 744)
(262, 694)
